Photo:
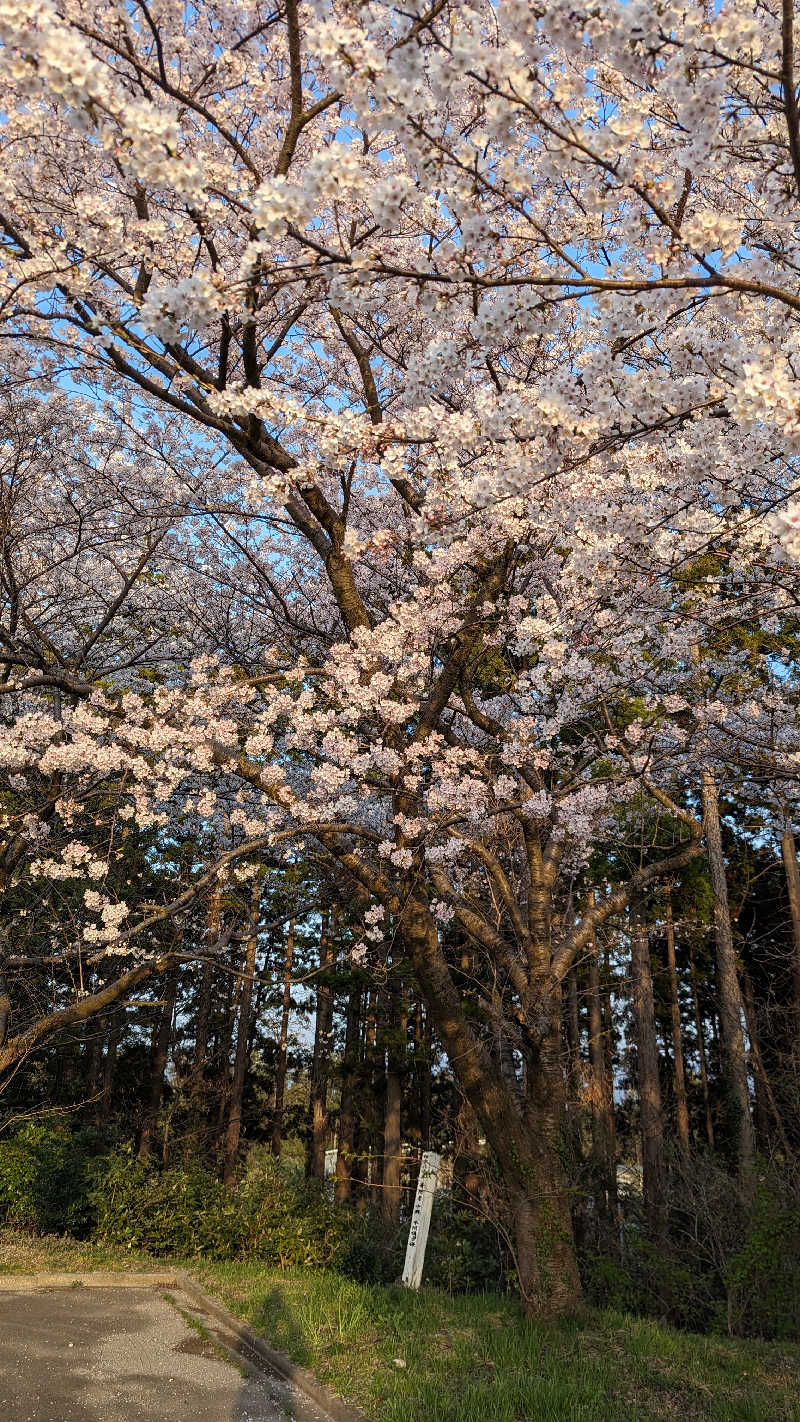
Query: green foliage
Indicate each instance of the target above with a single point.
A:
(465, 1253)
(725, 1265)
(653, 1280)
(763, 1278)
(167, 1212)
(45, 1180)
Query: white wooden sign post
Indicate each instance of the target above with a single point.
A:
(421, 1219)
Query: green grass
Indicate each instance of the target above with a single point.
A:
(475, 1359)
(28, 1254)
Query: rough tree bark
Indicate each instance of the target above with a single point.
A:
(604, 1153)
(524, 1132)
(347, 1116)
(323, 1026)
(701, 1053)
(679, 1070)
(234, 1127)
(731, 1009)
(158, 1064)
(792, 870)
(283, 1043)
(651, 1119)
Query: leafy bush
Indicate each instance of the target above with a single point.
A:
(466, 1253)
(763, 1278)
(184, 1211)
(726, 1264)
(45, 1180)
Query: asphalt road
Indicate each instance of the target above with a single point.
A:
(106, 1355)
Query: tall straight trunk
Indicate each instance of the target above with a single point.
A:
(94, 1068)
(369, 1168)
(734, 1054)
(283, 1043)
(5, 999)
(604, 1151)
(234, 1126)
(423, 1056)
(320, 1065)
(204, 994)
(232, 998)
(572, 1029)
(679, 1070)
(701, 1053)
(347, 1116)
(203, 1018)
(109, 1063)
(397, 1026)
(651, 1118)
(158, 1064)
(766, 1105)
(792, 870)
(608, 1027)
(525, 1132)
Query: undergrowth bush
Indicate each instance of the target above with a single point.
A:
(728, 1263)
(45, 1180)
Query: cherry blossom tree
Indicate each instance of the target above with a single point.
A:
(482, 317)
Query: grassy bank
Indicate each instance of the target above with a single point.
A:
(406, 1358)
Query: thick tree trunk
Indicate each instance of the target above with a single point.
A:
(651, 1119)
(158, 1064)
(323, 1025)
(283, 1044)
(347, 1117)
(396, 1028)
(234, 1126)
(524, 1133)
(701, 1053)
(679, 1070)
(604, 1151)
(730, 998)
(423, 1058)
(789, 855)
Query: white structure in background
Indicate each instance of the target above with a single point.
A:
(421, 1219)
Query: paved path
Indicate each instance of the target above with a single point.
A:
(106, 1355)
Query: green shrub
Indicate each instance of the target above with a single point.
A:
(45, 1180)
(184, 1211)
(763, 1278)
(465, 1253)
